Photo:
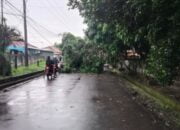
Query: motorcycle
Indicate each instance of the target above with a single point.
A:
(49, 72)
(55, 70)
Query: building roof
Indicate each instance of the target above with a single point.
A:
(45, 50)
(20, 46)
(55, 50)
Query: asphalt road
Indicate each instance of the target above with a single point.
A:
(73, 102)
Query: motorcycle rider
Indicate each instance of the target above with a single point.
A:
(48, 61)
(55, 64)
(49, 67)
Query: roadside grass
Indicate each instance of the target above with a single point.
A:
(30, 69)
(161, 101)
(165, 101)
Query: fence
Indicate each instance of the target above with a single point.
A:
(19, 59)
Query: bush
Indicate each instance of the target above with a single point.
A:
(5, 66)
(92, 63)
(66, 69)
(162, 64)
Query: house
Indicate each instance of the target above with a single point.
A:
(16, 53)
(131, 54)
(56, 51)
(44, 53)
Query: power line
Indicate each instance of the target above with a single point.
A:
(56, 10)
(37, 6)
(13, 6)
(39, 33)
(57, 15)
(32, 19)
(12, 14)
(61, 10)
(29, 18)
(12, 17)
(34, 28)
(18, 16)
(35, 22)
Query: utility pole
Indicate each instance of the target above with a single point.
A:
(2, 24)
(2, 12)
(25, 34)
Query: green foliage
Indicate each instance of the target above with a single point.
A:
(72, 48)
(151, 27)
(81, 55)
(30, 69)
(66, 69)
(164, 60)
(5, 66)
(163, 63)
(7, 34)
(93, 59)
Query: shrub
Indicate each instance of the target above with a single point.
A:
(5, 66)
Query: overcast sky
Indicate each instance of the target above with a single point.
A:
(47, 19)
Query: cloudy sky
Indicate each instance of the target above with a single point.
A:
(46, 20)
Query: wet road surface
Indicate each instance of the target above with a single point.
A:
(73, 102)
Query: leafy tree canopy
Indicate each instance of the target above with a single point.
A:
(151, 27)
(7, 35)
